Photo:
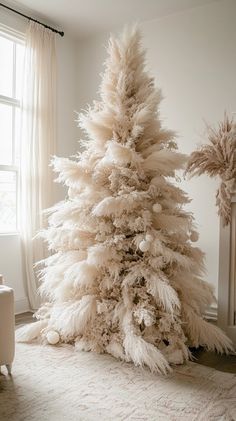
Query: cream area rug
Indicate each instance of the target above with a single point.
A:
(60, 384)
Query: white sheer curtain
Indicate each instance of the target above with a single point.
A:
(37, 146)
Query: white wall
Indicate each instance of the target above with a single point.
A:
(10, 251)
(193, 58)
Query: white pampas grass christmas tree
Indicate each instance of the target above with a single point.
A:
(125, 278)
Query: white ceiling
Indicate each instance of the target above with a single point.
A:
(83, 18)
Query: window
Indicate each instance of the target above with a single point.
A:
(11, 72)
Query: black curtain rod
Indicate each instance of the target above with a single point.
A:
(34, 20)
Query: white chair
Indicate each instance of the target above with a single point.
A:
(7, 327)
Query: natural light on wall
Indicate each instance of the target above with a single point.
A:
(11, 71)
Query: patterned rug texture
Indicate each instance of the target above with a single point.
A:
(60, 384)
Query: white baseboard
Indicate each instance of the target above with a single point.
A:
(211, 313)
(21, 305)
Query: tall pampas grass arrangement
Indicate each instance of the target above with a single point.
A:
(218, 159)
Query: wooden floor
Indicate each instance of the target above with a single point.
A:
(22, 319)
(219, 362)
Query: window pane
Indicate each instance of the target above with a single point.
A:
(6, 67)
(7, 201)
(17, 135)
(6, 134)
(19, 69)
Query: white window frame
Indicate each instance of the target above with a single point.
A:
(15, 37)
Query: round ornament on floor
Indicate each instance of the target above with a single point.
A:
(52, 337)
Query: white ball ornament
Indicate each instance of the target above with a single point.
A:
(144, 245)
(157, 208)
(52, 337)
(194, 236)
